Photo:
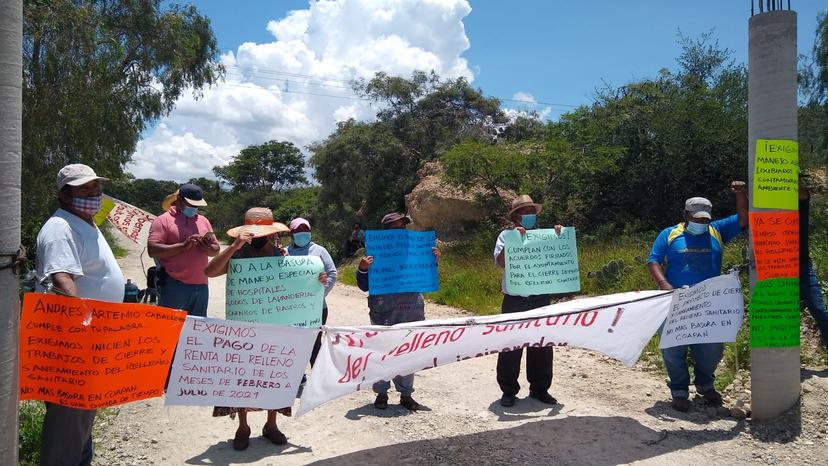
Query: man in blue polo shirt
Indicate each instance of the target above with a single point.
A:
(692, 252)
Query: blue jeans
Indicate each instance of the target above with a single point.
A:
(811, 295)
(179, 295)
(706, 357)
(403, 383)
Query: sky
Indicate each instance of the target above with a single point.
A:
(289, 62)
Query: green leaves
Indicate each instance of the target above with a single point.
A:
(274, 165)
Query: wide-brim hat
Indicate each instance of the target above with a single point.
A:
(522, 201)
(394, 216)
(259, 221)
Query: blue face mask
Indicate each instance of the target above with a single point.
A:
(696, 228)
(190, 212)
(528, 220)
(301, 239)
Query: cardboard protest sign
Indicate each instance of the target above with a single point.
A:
(774, 313)
(239, 364)
(709, 312)
(275, 290)
(403, 261)
(92, 354)
(775, 237)
(128, 219)
(776, 174)
(353, 358)
(541, 262)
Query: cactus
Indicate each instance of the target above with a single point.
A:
(610, 273)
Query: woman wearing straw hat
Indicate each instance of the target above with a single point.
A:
(523, 214)
(253, 239)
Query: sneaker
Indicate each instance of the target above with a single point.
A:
(681, 403)
(276, 436)
(408, 403)
(507, 401)
(711, 395)
(382, 401)
(543, 397)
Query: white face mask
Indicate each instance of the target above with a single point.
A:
(696, 228)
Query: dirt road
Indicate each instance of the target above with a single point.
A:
(608, 414)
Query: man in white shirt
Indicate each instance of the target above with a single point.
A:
(73, 255)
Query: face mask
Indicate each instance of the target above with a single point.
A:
(302, 238)
(259, 243)
(528, 220)
(696, 228)
(87, 205)
(190, 212)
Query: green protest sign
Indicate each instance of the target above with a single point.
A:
(776, 174)
(774, 313)
(275, 290)
(541, 262)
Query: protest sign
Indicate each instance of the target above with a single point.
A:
(129, 220)
(403, 261)
(238, 364)
(353, 358)
(275, 290)
(774, 313)
(92, 354)
(709, 312)
(776, 174)
(541, 262)
(107, 204)
(775, 237)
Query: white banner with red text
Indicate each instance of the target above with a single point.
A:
(133, 222)
(353, 358)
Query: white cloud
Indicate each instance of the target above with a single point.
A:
(524, 97)
(268, 92)
(524, 104)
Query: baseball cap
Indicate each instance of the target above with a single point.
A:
(77, 174)
(298, 221)
(698, 207)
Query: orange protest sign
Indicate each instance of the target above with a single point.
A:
(775, 238)
(92, 354)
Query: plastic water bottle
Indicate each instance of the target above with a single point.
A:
(130, 292)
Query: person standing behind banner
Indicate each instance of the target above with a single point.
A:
(693, 252)
(390, 309)
(181, 240)
(74, 257)
(300, 232)
(253, 239)
(523, 214)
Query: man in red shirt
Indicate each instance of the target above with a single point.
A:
(182, 240)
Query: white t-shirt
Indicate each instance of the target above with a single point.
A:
(68, 244)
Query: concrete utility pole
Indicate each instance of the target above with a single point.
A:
(11, 137)
(772, 114)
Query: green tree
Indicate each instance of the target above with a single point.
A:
(366, 169)
(271, 166)
(95, 74)
(144, 193)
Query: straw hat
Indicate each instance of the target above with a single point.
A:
(522, 201)
(259, 221)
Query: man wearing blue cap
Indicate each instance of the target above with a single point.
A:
(693, 252)
(181, 240)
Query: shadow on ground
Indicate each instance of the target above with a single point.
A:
(590, 440)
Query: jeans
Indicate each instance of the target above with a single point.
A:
(403, 383)
(179, 295)
(706, 357)
(67, 436)
(811, 294)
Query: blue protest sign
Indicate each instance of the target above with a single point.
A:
(403, 261)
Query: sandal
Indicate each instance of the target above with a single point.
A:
(275, 436)
(242, 439)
